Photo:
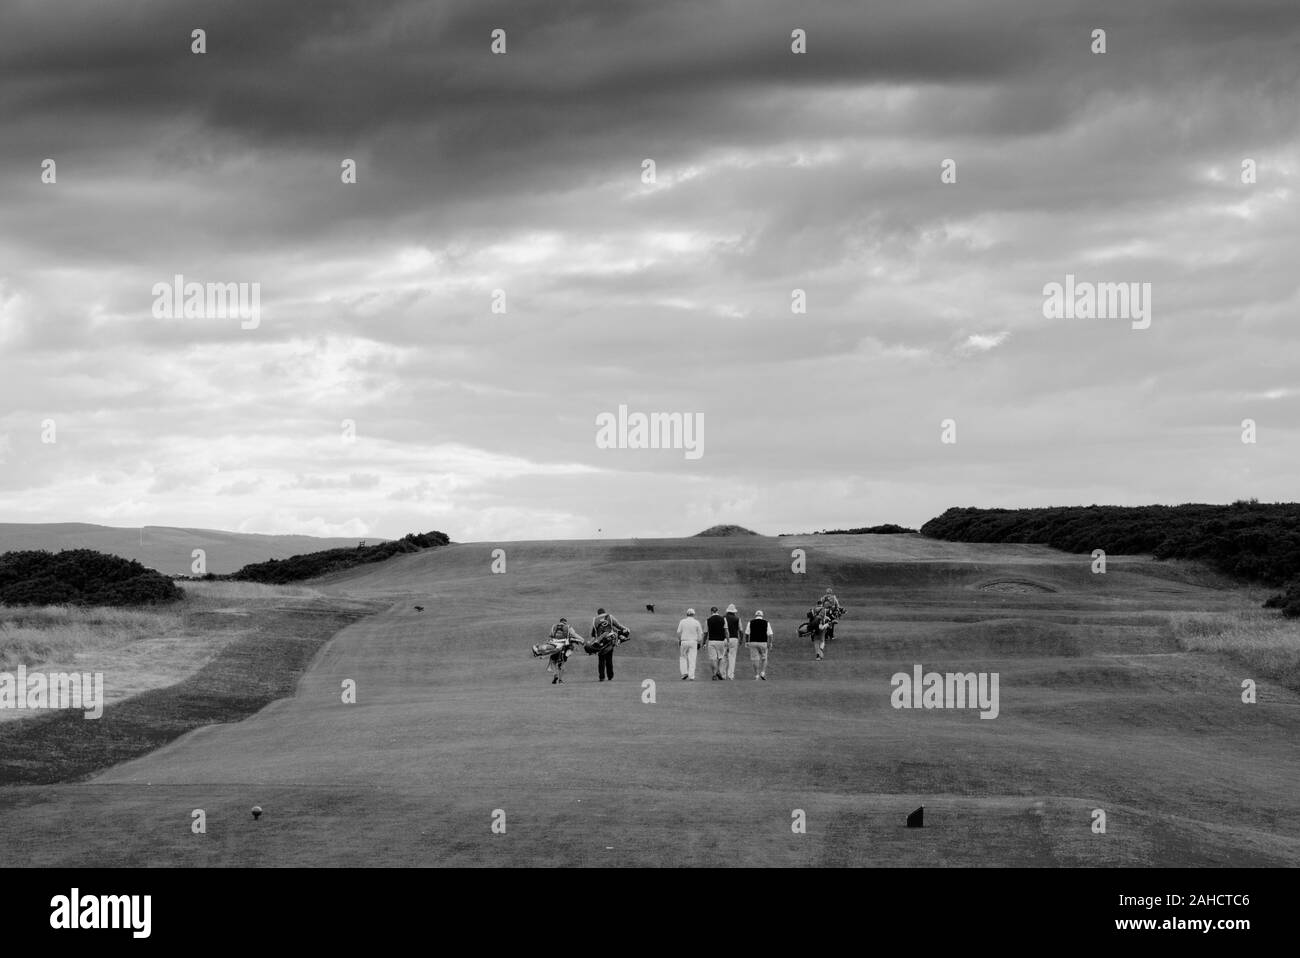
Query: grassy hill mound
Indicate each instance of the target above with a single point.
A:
(725, 531)
(313, 564)
(80, 577)
(1256, 542)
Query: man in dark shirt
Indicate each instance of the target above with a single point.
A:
(759, 638)
(716, 627)
(604, 624)
(735, 628)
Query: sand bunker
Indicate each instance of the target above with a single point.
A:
(1015, 587)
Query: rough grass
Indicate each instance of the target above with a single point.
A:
(231, 589)
(260, 666)
(31, 635)
(1257, 638)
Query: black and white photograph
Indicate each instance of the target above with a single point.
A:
(650, 435)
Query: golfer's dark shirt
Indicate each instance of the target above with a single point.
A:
(717, 628)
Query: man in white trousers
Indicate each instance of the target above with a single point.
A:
(715, 631)
(759, 637)
(691, 634)
(735, 628)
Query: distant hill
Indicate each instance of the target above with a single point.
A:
(80, 577)
(165, 548)
(725, 531)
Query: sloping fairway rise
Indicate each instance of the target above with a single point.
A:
(455, 724)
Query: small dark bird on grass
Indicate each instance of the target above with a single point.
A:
(649, 608)
(419, 608)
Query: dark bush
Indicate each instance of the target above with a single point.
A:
(80, 577)
(1256, 542)
(888, 529)
(313, 564)
(1288, 601)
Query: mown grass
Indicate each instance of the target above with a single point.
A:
(31, 635)
(1259, 639)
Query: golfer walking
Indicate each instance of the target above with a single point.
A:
(759, 637)
(602, 626)
(691, 634)
(734, 630)
(717, 626)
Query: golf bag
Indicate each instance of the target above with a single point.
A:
(604, 641)
(820, 620)
(832, 617)
(558, 641)
(607, 635)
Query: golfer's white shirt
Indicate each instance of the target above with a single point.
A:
(690, 630)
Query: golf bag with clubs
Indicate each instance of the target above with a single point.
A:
(557, 641)
(606, 640)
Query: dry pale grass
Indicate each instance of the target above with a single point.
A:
(138, 649)
(32, 635)
(226, 589)
(1259, 638)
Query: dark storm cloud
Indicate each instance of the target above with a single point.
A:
(337, 73)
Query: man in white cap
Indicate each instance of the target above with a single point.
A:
(734, 629)
(691, 634)
(759, 637)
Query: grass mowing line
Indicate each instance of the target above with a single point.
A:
(247, 675)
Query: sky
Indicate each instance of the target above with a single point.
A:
(518, 179)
